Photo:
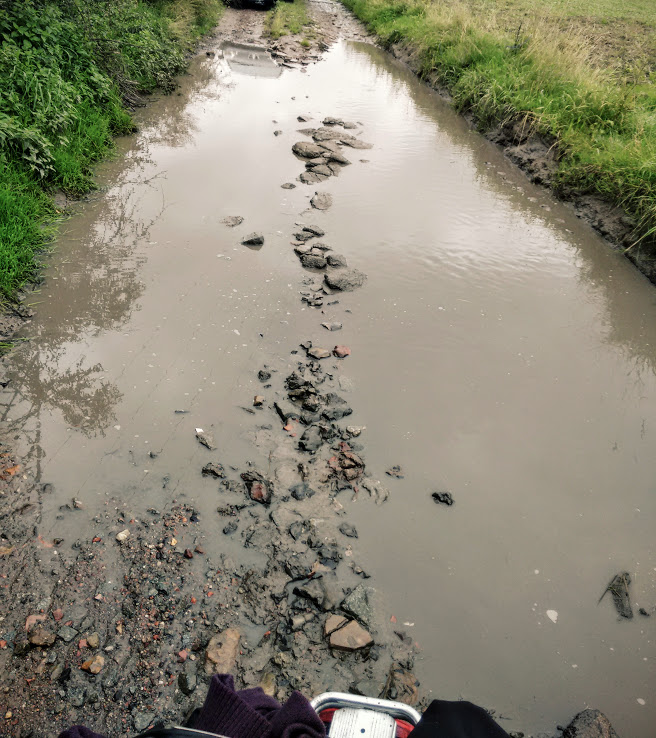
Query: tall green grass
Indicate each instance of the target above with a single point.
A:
(68, 69)
(604, 131)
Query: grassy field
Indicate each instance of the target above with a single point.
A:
(68, 69)
(567, 69)
(288, 19)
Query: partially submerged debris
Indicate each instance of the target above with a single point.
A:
(619, 589)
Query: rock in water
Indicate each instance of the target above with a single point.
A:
(314, 230)
(590, 724)
(444, 498)
(313, 261)
(254, 239)
(321, 201)
(311, 178)
(336, 260)
(233, 220)
(619, 589)
(307, 149)
(345, 280)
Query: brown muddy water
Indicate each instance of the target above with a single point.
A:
(500, 351)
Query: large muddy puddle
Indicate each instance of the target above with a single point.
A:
(500, 351)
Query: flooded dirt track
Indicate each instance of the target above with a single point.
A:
(499, 351)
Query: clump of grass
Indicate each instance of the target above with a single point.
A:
(287, 19)
(604, 131)
(67, 69)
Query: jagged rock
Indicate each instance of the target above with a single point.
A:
(351, 637)
(214, 470)
(254, 239)
(301, 491)
(360, 604)
(590, 724)
(333, 623)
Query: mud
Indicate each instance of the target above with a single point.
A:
(200, 481)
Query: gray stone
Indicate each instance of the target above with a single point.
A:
(322, 169)
(314, 230)
(313, 261)
(307, 150)
(360, 604)
(143, 720)
(76, 696)
(303, 236)
(321, 201)
(187, 682)
(253, 239)
(301, 491)
(590, 724)
(336, 260)
(288, 186)
(345, 280)
(328, 134)
(348, 530)
(311, 440)
(66, 633)
(332, 326)
(356, 143)
(337, 157)
(311, 178)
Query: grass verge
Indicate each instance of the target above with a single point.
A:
(68, 71)
(287, 19)
(519, 61)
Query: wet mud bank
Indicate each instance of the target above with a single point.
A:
(537, 158)
(227, 454)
